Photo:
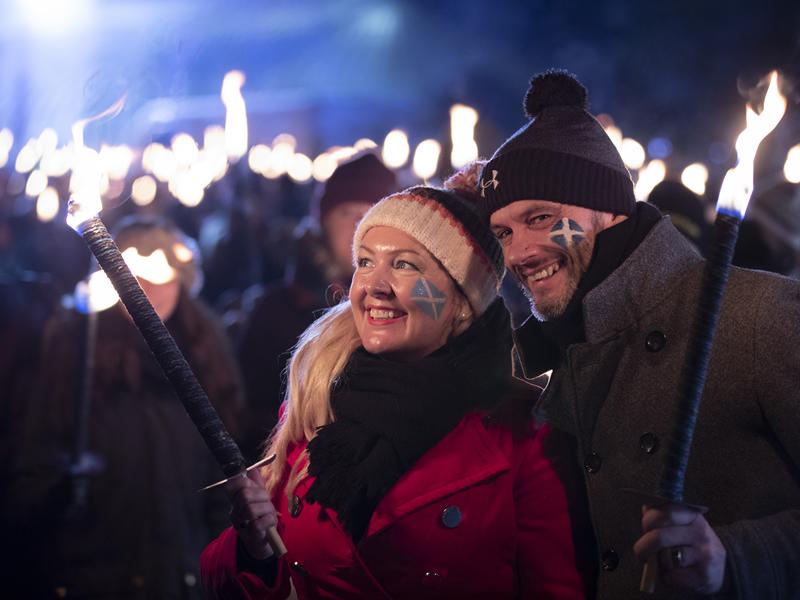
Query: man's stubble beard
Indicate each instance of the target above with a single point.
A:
(577, 259)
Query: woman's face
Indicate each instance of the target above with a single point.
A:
(404, 303)
(163, 296)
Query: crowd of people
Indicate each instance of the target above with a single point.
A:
(456, 384)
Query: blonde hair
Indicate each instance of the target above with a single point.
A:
(318, 359)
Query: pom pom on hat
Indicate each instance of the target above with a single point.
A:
(554, 87)
(466, 181)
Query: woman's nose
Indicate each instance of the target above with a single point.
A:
(378, 285)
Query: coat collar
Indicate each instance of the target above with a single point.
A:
(466, 456)
(633, 289)
(640, 283)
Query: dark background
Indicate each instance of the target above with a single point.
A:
(333, 71)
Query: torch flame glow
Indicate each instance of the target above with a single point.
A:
(462, 134)
(791, 169)
(395, 149)
(97, 294)
(236, 115)
(650, 176)
(426, 159)
(737, 187)
(155, 268)
(87, 171)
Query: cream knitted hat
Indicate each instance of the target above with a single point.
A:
(452, 230)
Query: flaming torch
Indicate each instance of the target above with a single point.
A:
(235, 116)
(734, 197)
(83, 217)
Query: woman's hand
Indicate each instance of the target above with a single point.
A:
(252, 513)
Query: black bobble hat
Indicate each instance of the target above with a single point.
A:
(562, 155)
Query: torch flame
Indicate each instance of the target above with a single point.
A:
(426, 159)
(462, 134)
(737, 187)
(236, 115)
(87, 172)
(154, 267)
(97, 293)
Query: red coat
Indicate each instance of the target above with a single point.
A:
(481, 515)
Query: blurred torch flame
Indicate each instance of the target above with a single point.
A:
(462, 134)
(395, 149)
(737, 187)
(426, 159)
(236, 115)
(97, 294)
(87, 171)
(650, 176)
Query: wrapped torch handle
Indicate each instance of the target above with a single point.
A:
(698, 357)
(695, 372)
(168, 356)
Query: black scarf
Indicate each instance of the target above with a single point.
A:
(612, 247)
(389, 413)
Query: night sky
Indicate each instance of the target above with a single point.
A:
(342, 69)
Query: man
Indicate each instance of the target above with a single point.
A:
(317, 276)
(613, 286)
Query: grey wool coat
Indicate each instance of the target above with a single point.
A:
(616, 393)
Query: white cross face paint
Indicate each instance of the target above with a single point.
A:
(566, 233)
(403, 302)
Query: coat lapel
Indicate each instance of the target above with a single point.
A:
(466, 456)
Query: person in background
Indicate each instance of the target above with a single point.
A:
(319, 269)
(685, 209)
(139, 531)
(27, 300)
(769, 237)
(407, 464)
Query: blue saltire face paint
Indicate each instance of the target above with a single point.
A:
(566, 233)
(429, 298)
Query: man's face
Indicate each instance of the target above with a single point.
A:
(548, 246)
(339, 226)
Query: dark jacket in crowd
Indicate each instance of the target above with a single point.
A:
(615, 394)
(277, 318)
(144, 524)
(26, 302)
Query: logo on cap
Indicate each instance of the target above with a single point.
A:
(492, 182)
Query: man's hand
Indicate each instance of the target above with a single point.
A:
(690, 554)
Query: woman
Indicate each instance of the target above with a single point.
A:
(406, 464)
